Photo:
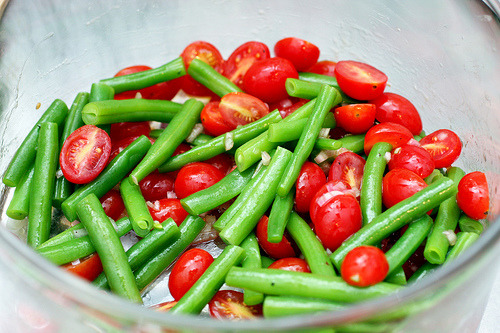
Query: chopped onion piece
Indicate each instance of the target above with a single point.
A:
(228, 140)
(266, 158)
(138, 95)
(76, 262)
(155, 125)
(397, 150)
(197, 130)
(388, 156)
(171, 195)
(324, 133)
(134, 179)
(326, 154)
(451, 236)
(80, 233)
(59, 174)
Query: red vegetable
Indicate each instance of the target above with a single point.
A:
(364, 266)
(239, 108)
(355, 118)
(359, 80)
(291, 264)
(238, 63)
(228, 304)
(394, 108)
(300, 52)
(279, 250)
(310, 180)
(473, 196)
(444, 146)
(195, 177)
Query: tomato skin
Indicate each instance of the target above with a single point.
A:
(355, 118)
(279, 250)
(359, 80)
(112, 203)
(291, 264)
(266, 79)
(156, 186)
(311, 179)
(238, 108)
(400, 184)
(88, 268)
(325, 193)
(395, 134)
(212, 120)
(187, 270)
(118, 146)
(444, 146)
(364, 266)
(394, 108)
(238, 63)
(348, 166)
(324, 67)
(195, 177)
(473, 195)
(228, 304)
(124, 130)
(85, 154)
(167, 208)
(413, 158)
(300, 52)
(223, 162)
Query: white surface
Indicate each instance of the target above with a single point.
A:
(491, 319)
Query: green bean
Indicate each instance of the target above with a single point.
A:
(327, 98)
(209, 283)
(109, 248)
(18, 208)
(201, 139)
(397, 277)
(327, 144)
(42, 185)
(422, 272)
(257, 203)
(447, 217)
(435, 175)
(109, 177)
(135, 109)
(171, 70)
(464, 241)
(252, 259)
(136, 207)
(289, 131)
(217, 194)
(266, 261)
(189, 229)
(278, 217)
(25, 154)
(144, 249)
(468, 224)
(216, 146)
(101, 92)
(63, 187)
(177, 130)
(279, 306)
(317, 80)
(312, 249)
(210, 78)
(396, 217)
(287, 283)
(354, 143)
(371, 191)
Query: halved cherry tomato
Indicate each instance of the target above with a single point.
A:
(195, 177)
(348, 166)
(228, 304)
(238, 108)
(400, 184)
(112, 203)
(359, 80)
(156, 186)
(364, 266)
(87, 268)
(324, 67)
(223, 162)
(326, 192)
(311, 179)
(119, 131)
(279, 250)
(164, 307)
(413, 158)
(212, 120)
(85, 154)
(473, 196)
(285, 112)
(395, 134)
(355, 118)
(444, 146)
(291, 264)
(394, 108)
(238, 63)
(162, 209)
(266, 79)
(187, 270)
(300, 52)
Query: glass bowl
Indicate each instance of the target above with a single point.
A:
(442, 55)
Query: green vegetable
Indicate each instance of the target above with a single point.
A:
(210, 78)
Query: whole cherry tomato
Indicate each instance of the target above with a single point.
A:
(393, 108)
(112, 203)
(444, 146)
(291, 264)
(124, 130)
(162, 209)
(413, 158)
(355, 118)
(238, 108)
(395, 134)
(324, 67)
(300, 52)
(326, 192)
(228, 304)
(364, 266)
(400, 184)
(348, 166)
(195, 177)
(359, 80)
(156, 186)
(212, 120)
(311, 179)
(279, 250)
(238, 63)
(87, 268)
(473, 196)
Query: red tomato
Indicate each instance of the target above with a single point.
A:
(238, 63)
(212, 120)
(195, 177)
(181, 149)
(228, 304)
(355, 118)
(156, 186)
(223, 162)
(393, 108)
(118, 146)
(266, 79)
(413, 158)
(279, 250)
(301, 53)
(395, 134)
(85, 154)
(311, 179)
(359, 80)
(444, 146)
(327, 192)
(400, 184)
(124, 130)
(325, 67)
(238, 108)
(364, 266)
(187, 270)
(87, 268)
(113, 205)
(164, 307)
(348, 166)
(162, 209)
(291, 264)
(473, 196)
(291, 109)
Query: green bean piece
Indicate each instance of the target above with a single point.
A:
(201, 139)
(109, 248)
(435, 175)
(468, 224)
(396, 217)
(18, 208)
(327, 98)
(312, 249)
(354, 143)
(422, 272)
(114, 172)
(464, 241)
(287, 283)
(252, 259)
(210, 282)
(25, 154)
(397, 277)
(257, 203)
(42, 188)
(327, 144)
(101, 92)
(266, 261)
(279, 306)
(137, 209)
(135, 81)
(278, 217)
(289, 131)
(177, 130)
(216, 146)
(210, 78)
(63, 187)
(189, 229)
(371, 191)
(144, 249)
(446, 220)
(135, 109)
(319, 79)
(217, 194)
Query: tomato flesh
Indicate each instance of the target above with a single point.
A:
(238, 63)
(444, 146)
(212, 120)
(473, 195)
(364, 266)
(228, 304)
(348, 166)
(239, 108)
